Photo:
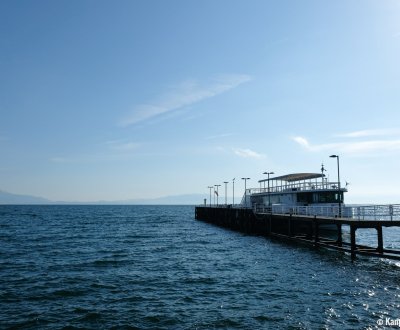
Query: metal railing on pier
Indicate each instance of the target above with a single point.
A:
(295, 186)
(387, 212)
(321, 211)
(377, 212)
(229, 206)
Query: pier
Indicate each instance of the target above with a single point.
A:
(309, 225)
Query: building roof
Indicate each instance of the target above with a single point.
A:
(295, 177)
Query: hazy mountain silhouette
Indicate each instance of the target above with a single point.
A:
(188, 199)
(8, 198)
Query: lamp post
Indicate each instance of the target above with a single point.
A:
(226, 193)
(233, 192)
(245, 188)
(217, 185)
(210, 187)
(214, 196)
(269, 196)
(338, 178)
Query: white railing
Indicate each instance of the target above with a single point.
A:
(322, 211)
(224, 206)
(377, 212)
(361, 212)
(388, 212)
(295, 186)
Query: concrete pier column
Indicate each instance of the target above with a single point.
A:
(353, 241)
(380, 239)
(316, 231)
(311, 229)
(269, 224)
(339, 235)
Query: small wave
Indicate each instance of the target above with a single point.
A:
(45, 297)
(156, 321)
(69, 293)
(108, 262)
(199, 280)
(266, 318)
(80, 310)
(31, 215)
(91, 316)
(102, 286)
(225, 323)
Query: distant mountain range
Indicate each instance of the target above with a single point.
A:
(188, 199)
(8, 198)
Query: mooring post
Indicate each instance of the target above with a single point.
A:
(380, 239)
(353, 241)
(339, 234)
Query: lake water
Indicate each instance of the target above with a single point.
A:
(156, 267)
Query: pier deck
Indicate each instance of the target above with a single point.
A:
(302, 228)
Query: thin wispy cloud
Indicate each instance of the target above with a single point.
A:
(370, 132)
(183, 95)
(110, 151)
(302, 141)
(370, 147)
(121, 145)
(78, 159)
(60, 160)
(219, 136)
(247, 153)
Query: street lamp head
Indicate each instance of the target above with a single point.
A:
(268, 173)
(333, 156)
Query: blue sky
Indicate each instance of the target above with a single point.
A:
(128, 99)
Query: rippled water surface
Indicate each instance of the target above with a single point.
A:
(155, 267)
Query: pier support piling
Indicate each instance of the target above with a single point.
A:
(316, 232)
(269, 230)
(380, 239)
(353, 241)
(339, 235)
